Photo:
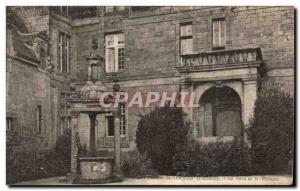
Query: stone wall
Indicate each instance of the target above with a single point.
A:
(35, 18)
(28, 88)
(152, 37)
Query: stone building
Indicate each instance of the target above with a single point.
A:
(224, 54)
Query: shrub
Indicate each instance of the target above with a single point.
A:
(213, 159)
(271, 132)
(159, 133)
(136, 165)
(63, 151)
(26, 162)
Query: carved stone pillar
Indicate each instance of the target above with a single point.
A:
(250, 94)
(74, 140)
(92, 117)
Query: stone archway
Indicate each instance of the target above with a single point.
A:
(219, 114)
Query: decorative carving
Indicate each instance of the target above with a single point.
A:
(228, 57)
(74, 113)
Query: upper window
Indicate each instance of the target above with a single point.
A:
(109, 9)
(39, 119)
(186, 39)
(219, 33)
(61, 10)
(114, 52)
(65, 118)
(10, 124)
(64, 53)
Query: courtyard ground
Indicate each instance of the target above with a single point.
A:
(175, 180)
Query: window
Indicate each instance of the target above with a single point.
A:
(109, 9)
(111, 123)
(65, 117)
(219, 33)
(120, 8)
(114, 52)
(64, 10)
(110, 126)
(64, 52)
(186, 38)
(10, 124)
(39, 120)
(61, 10)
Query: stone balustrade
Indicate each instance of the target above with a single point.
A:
(220, 58)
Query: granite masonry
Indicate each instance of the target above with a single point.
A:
(233, 51)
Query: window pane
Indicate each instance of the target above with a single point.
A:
(216, 33)
(186, 46)
(39, 119)
(109, 9)
(121, 38)
(109, 40)
(121, 54)
(9, 124)
(110, 126)
(67, 54)
(222, 33)
(121, 8)
(219, 33)
(186, 30)
(111, 59)
(60, 50)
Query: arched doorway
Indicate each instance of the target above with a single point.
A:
(219, 113)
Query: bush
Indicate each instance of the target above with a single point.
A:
(213, 159)
(136, 165)
(271, 132)
(26, 162)
(159, 133)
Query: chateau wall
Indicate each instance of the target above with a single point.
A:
(152, 37)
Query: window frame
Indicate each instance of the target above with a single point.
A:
(123, 115)
(188, 36)
(39, 120)
(107, 124)
(64, 52)
(115, 37)
(219, 46)
(123, 121)
(114, 9)
(65, 116)
(11, 122)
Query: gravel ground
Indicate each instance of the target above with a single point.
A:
(175, 180)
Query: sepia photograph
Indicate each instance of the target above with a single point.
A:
(150, 95)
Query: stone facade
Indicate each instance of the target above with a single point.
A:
(152, 56)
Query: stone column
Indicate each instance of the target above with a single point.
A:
(92, 117)
(185, 87)
(90, 72)
(250, 94)
(117, 144)
(74, 140)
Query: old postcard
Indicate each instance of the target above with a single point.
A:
(150, 95)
